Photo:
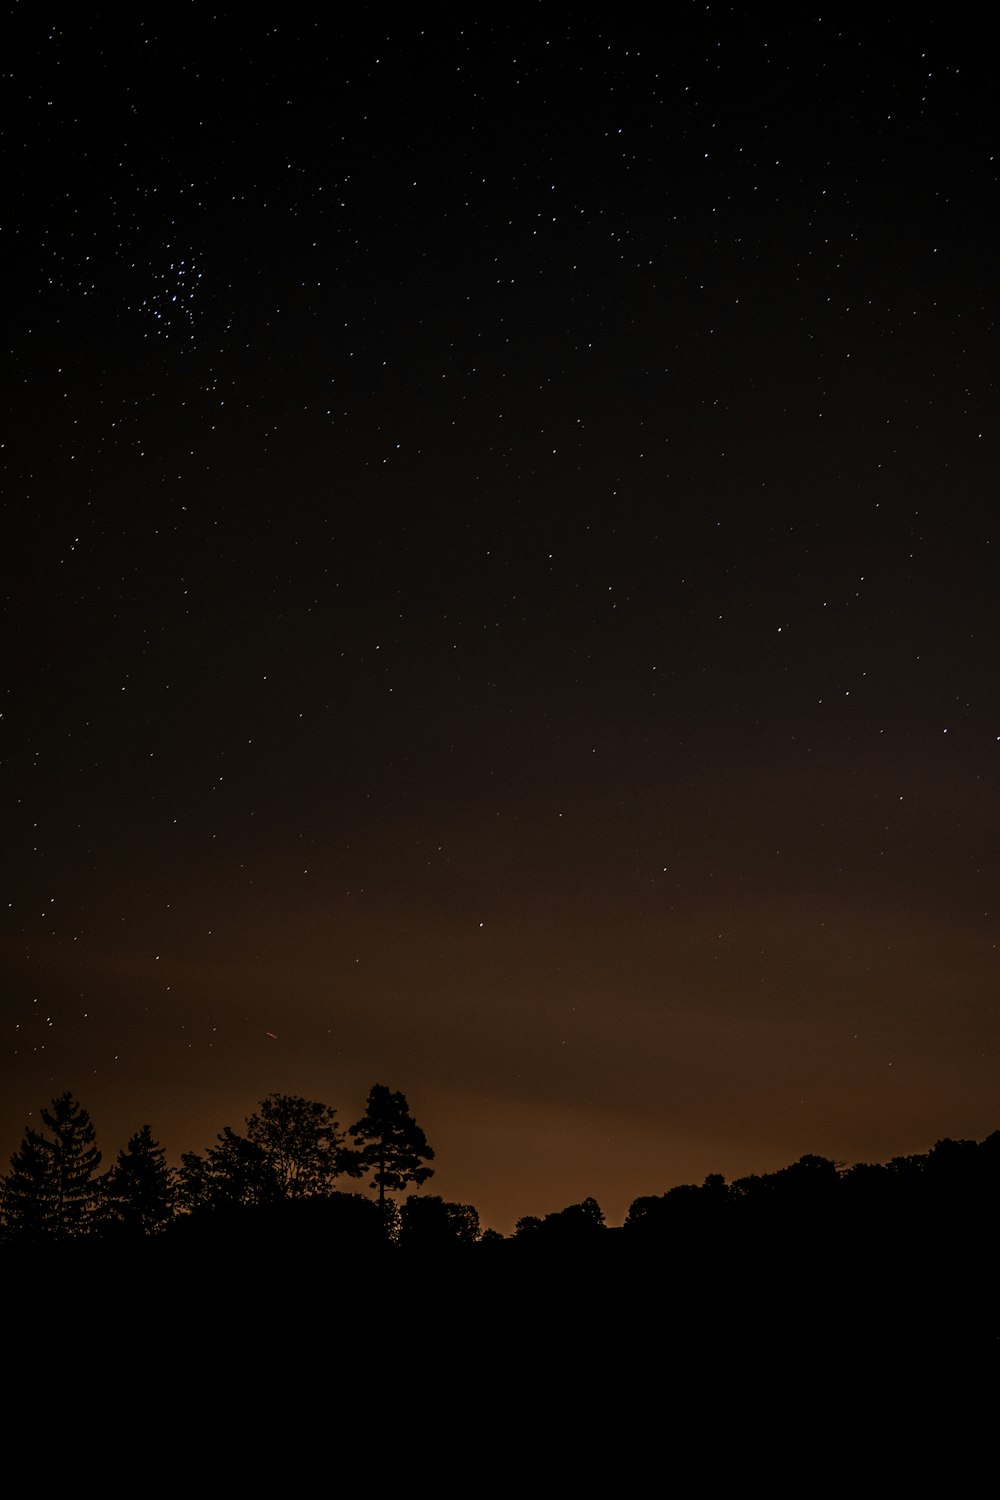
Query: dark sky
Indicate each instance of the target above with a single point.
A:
(500, 582)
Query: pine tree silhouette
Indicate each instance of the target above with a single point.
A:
(50, 1192)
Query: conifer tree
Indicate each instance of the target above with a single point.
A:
(28, 1191)
(139, 1189)
(391, 1145)
(50, 1191)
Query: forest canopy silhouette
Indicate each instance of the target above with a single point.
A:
(294, 1171)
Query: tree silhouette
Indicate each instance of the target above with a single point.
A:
(302, 1143)
(50, 1191)
(139, 1189)
(293, 1148)
(234, 1173)
(391, 1145)
(571, 1224)
(432, 1224)
(28, 1191)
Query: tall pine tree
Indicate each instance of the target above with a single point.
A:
(139, 1189)
(391, 1145)
(28, 1192)
(50, 1192)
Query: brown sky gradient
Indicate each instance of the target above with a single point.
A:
(500, 587)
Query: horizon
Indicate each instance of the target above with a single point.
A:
(504, 1218)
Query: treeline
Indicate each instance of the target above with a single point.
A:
(292, 1152)
(292, 1173)
(948, 1187)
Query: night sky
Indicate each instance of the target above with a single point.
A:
(500, 582)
